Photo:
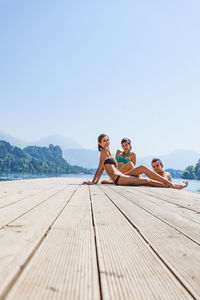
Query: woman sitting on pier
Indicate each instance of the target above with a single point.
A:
(108, 163)
(125, 159)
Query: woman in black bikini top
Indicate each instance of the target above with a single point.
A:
(111, 161)
(108, 163)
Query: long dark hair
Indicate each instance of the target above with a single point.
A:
(100, 137)
(126, 140)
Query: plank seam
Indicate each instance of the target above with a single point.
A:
(181, 206)
(28, 259)
(148, 243)
(95, 242)
(6, 225)
(22, 199)
(161, 220)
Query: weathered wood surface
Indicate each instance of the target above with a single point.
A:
(60, 239)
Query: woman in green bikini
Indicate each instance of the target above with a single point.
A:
(126, 159)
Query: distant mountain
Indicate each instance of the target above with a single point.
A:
(60, 140)
(178, 159)
(13, 141)
(82, 157)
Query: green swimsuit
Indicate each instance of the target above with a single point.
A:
(123, 159)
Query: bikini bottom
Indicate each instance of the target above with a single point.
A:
(116, 180)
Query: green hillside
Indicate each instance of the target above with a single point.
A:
(192, 172)
(35, 160)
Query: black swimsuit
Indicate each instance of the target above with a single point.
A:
(116, 180)
(111, 161)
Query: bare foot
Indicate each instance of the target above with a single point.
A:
(181, 186)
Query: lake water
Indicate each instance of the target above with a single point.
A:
(194, 185)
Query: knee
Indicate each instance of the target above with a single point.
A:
(143, 167)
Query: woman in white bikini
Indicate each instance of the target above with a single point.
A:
(108, 164)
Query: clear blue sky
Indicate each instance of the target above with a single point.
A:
(80, 68)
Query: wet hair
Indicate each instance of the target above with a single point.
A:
(126, 140)
(156, 159)
(100, 137)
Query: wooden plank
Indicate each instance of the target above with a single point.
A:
(184, 220)
(183, 201)
(8, 189)
(11, 190)
(23, 193)
(179, 253)
(10, 213)
(21, 238)
(129, 268)
(64, 266)
(182, 198)
(26, 188)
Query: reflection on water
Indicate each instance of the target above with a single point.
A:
(194, 185)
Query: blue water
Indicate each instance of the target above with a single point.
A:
(194, 185)
(19, 176)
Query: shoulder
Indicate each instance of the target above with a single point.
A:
(168, 176)
(132, 154)
(103, 155)
(104, 151)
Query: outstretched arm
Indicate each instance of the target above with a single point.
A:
(100, 169)
(98, 175)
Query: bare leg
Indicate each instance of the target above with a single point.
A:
(144, 170)
(127, 167)
(135, 181)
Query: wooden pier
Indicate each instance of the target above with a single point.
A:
(60, 239)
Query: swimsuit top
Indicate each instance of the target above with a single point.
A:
(123, 159)
(109, 161)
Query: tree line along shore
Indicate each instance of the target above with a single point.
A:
(34, 160)
(46, 160)
(192, 172)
